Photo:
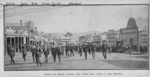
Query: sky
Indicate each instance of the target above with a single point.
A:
(62, 19)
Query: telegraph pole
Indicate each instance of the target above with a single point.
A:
(29, 33)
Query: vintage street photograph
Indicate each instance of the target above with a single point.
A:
(81, 37)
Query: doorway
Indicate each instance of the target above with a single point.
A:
(131, 42)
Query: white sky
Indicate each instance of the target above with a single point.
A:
(78, 18)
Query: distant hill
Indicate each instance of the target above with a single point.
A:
(56, 34)
(85, 33)
(94, 32)
(74, 34)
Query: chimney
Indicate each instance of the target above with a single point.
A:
(20, 22)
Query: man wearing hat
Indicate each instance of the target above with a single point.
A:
(104, 49)
(11, 53)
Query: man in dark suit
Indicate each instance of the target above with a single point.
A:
(55, 50)
(46, 52)
(85, 49)
(71, 49)
(33, 51)
(67, 49)
(24, 52)
(93, 49)
(38, 55)
(104, 49)
(11, 53)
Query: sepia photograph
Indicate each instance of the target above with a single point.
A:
(81, 37)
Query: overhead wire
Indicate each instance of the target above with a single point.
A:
(12, 9)
(32, 11)
(29, 9)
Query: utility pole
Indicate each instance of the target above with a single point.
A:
(29, 33)
(20, 22)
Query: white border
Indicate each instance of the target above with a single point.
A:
(125, 73)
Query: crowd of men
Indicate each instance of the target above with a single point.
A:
(59, 50)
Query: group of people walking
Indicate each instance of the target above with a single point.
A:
(58, 50)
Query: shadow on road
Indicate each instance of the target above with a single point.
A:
(77, 60)
(136, 53)
(144, 57)
(21, 63)
(128, 64)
